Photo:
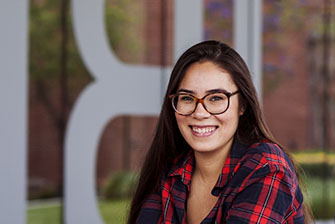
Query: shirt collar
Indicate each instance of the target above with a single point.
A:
(230, 166)
(184, 165)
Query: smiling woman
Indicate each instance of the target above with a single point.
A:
(213, 159)
(202, 130)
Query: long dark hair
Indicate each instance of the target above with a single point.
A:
(168, 142)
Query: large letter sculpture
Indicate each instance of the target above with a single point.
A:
(13, 109)
(117, 89)
(248, 37)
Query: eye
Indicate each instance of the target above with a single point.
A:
(216, 98)
(186, 98)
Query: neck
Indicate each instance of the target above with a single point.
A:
(208, 165)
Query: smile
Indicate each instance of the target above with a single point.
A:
(203, 130)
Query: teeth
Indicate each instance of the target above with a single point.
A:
(203, 130)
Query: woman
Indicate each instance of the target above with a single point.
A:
(213, 159)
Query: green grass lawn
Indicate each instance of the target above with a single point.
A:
(47, 215)
(114, 211)
(111, 212)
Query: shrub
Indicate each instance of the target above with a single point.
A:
(322, 197)
(318, 169)
(120, 185)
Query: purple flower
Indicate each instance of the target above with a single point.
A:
(226, 12)
(213, 6)
(303, 2)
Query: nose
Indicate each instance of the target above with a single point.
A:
(200, 112)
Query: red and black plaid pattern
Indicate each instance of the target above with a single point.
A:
(257, 185)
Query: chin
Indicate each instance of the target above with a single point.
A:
(203, 148)
(210, 145)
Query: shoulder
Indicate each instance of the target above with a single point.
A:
(266, 154)
(263, 160)
(265, 176)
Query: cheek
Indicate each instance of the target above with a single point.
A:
(234, 112)
(229, 119)
(181, 122)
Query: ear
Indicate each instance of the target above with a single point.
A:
(242, 105)
(242, 109)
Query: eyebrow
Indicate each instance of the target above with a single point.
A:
(186, 91)
(207, 91)
(219, 90)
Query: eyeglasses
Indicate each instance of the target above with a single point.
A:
(214, 103)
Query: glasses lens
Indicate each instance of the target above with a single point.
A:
(216, 102)
(183, 103)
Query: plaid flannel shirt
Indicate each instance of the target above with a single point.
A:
(257, 185)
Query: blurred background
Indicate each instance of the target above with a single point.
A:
(298, 94)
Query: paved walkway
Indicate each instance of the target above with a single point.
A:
(43, 203)
(325, 222)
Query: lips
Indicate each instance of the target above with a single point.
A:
(203, 131)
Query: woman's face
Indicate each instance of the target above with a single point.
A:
(201, 130)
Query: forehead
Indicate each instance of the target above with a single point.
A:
(200, 77)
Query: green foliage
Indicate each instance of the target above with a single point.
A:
(43, 193)
(120, 185)
(322, 195)
(318, 170)
(319, 180)
(124, 26)
(316, 163)
(44, 39)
